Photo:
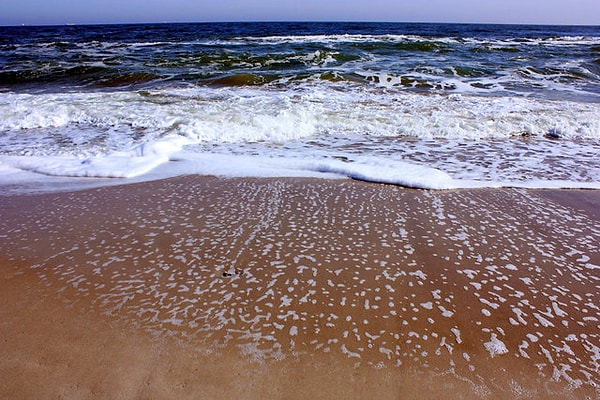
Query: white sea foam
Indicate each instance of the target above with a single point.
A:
(401, 38)
(244, 114)
(119, 164)
(422, 141)
(495, 346)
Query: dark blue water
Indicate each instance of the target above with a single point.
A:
(545, 61)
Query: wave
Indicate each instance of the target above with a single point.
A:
(568, 83)
(117, 164)
(167, 153)
(238, 114)
(86, 75)
(430, 42)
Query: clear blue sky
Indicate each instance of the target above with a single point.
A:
(16, 12)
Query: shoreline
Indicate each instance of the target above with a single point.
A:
(299, 287)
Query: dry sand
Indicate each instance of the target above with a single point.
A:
(206, 288)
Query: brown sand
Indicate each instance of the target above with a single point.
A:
(207, 288)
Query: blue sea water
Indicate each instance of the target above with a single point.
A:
(419, 105)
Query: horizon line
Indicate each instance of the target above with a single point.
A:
(293, 21)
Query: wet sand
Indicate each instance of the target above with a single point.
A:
(199, 287)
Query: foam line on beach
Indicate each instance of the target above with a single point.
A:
(134, 162)
(165, 158)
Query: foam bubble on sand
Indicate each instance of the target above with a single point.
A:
(456, 332)
(512, 267)
(495, 346)
(349, 353)
(543, 321)
(557, 310)
(519, 314)
(445, 313)
(533, 338)
(527, 281)
(470, 273)
(571, 338)
(522, 347)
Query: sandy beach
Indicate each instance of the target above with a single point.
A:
(209, 288)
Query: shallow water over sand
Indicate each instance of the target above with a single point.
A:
(496, 290)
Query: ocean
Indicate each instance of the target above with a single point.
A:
(432, 106)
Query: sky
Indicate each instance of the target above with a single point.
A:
(44, 12)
